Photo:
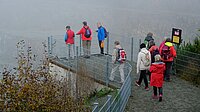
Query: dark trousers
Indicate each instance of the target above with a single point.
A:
(168, 66)
(143, 75)
(159, 90)
(101, 45)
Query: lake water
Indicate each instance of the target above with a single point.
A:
(35, 20)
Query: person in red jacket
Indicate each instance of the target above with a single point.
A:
(157, 70)
(69, 40)
(168, 53)
(86, 34)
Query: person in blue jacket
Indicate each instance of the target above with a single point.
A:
(101, 37)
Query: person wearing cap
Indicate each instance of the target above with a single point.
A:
(86, 41)
(116, 63)
(69, 40)
(143, 65)
(148, 39)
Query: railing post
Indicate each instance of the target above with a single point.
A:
(140, 42)
(80, 44)
(132, 50)
(69, 50)
(107, 69)
(109, 103)
(49, 46)
(95, 107)
(51, 41)
(108, 42)
(76, 59)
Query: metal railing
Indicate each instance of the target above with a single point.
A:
(98, 67)
(187, 65)
(118, 103)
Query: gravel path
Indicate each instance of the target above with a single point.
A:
(178, 96)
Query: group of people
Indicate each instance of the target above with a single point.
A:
(86, 36)
(152, 60)
(156, 62)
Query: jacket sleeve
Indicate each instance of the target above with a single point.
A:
(80, 32)
(65, 37)
(138, 62)
(151, 68)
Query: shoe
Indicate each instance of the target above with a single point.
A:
(146, 88)
(154, 97)
(160, 98)
(136, 83)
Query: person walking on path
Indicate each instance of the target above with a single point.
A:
(168, 53)
(148, 39)
(86, 34)
(101, 37)
(118, 60)
(143, 65)
(157, 71)
(69, 40)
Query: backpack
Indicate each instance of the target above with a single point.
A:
(105, 31)
(146, 60)
(154, 52)
(165, 53)
(121, 57)
(87, 33)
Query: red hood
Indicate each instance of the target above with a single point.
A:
(158, 67)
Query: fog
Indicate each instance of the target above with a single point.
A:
(35, 20)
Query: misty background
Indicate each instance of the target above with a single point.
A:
(35, 20)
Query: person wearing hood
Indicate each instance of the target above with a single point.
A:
(117, 63)
(86, 34)
(168, 53)
(143, 65)
(157, 70)
(148, 39)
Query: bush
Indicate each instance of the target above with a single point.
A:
(27, 88)
(188, 61)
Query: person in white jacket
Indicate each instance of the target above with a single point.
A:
(117, 64)
(143, 65)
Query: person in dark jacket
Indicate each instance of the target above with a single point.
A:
(101, 37)
(147, 40)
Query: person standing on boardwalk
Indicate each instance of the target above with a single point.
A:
(168, 53)
(86, 34)
(101, 36)
(143, 65)
(118, 60)
(157, 70)
(69, 40)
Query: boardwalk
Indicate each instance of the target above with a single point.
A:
(178, 96)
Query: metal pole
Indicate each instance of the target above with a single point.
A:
(108, 42)
(132, 50)
(49, 46)
(95, 107)
(51, 40)
(107, 69)
(80, 44)
(109, 102)
(140, 41)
